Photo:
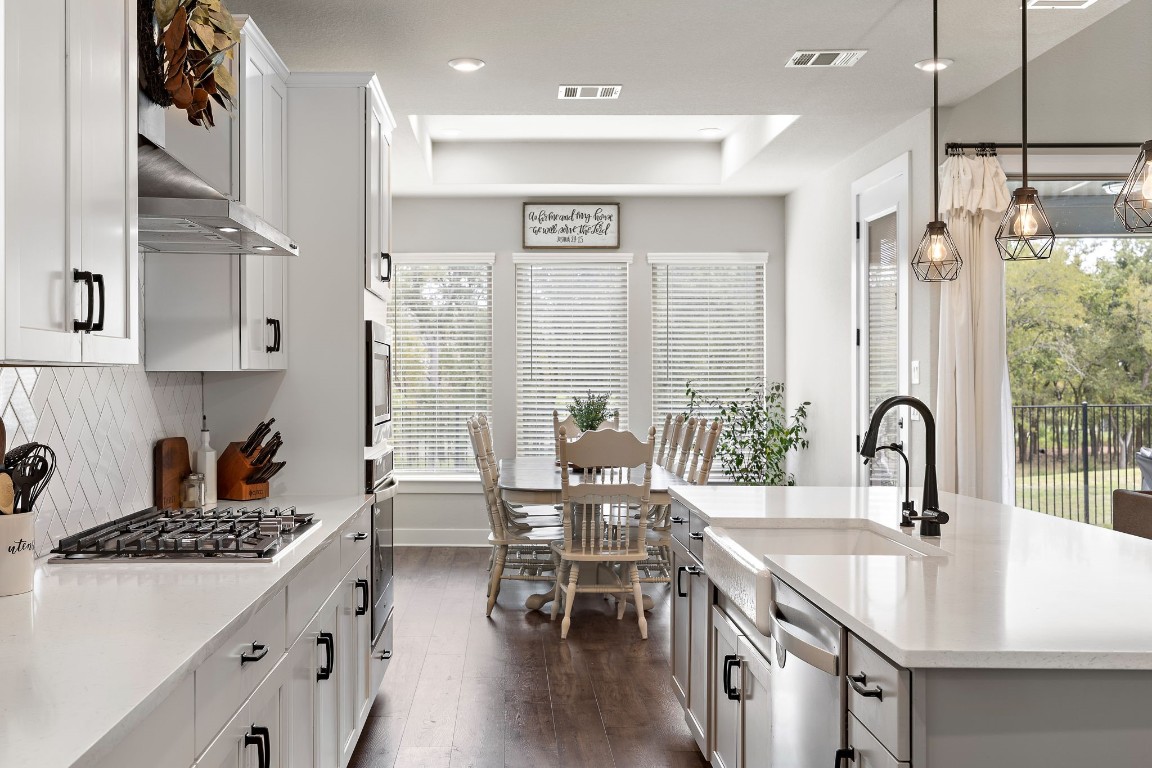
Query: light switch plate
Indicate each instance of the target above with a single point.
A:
(915, 371)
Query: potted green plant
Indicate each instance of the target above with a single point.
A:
(758, 433)
(591, 411)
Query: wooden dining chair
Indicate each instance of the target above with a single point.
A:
(615, 477)
(517, 515)
(673, 442)
(662, 445)
(517, 555)
(568, 424)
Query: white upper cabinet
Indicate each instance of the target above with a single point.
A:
(70, 258)
(378, 237)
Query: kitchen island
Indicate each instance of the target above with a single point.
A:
(1015, 638)
(123, 664)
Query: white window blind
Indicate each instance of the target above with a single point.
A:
(442, 361)
(571, 337)
(708, 327)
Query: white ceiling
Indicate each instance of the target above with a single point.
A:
(683, 63)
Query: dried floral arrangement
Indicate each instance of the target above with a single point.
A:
(185, 46)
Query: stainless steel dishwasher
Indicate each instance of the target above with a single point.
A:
(809, 698)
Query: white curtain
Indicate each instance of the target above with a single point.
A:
(974, 404)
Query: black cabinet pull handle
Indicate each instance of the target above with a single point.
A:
(279, 337)
(98, 279)
(385, 267)
(730, 661)
(275, 345)
(677, 520)
(858, 683)
(259, 651)
(359, 536)
(362, 584)
(698, 536)
(845, 754)
(325, 639)
(262, 738)
(86, 278)
(385, 655)
(680, 571)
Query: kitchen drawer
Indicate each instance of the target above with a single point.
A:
(870, 753)
(311, 587)
(355, 538)
(228, 676)
(680, 522)
(888, 716)
(382, 652)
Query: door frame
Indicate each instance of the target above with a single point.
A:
(884, 191)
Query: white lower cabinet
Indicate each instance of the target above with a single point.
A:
(355, 637)
(869, 753)
(742, 715)
(680, 626)
(699, 608)
(256, 737)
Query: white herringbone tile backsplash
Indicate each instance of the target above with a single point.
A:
(102, 424)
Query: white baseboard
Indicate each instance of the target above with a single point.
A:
(440, 537)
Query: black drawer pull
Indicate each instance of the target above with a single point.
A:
(697, 536)
(845, 754)
(858, 683)
(385, 655)
(262, 738)
(677, 520)
(363, 607)
(730, 661)
(259, 651)
(325, 639)
(86, 278)
(360, 536)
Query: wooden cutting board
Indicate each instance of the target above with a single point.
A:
(170, 465)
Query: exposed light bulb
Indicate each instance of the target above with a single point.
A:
(1025, 224)
(937, 250)
(1146, 187)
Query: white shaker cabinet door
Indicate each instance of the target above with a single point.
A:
(322, 634)
(276, 311)
(38, 283)
(274, 147)
(680, 626)
(256, 333)
(756, 707)
(103, 130)
(727, 673)
(378, 215)
(268, 713)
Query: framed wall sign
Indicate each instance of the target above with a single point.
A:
(571, 225)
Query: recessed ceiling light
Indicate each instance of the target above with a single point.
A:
(934, 65)
(229, 229)
(1062, 5)
(451, 133)
(466, 64)
(263, 247)
(711, 131)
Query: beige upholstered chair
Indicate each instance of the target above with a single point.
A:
(519, 555)
(599, 527)
(1132, 512)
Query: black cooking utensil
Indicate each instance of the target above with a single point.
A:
(17, 454)
(31, 474)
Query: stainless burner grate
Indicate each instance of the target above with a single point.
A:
(222, 534)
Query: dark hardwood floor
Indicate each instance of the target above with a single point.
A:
(465, 690)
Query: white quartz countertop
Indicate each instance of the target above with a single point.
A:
(95, 647)
(1018, 589)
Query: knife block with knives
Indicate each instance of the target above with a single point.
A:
(244, 469)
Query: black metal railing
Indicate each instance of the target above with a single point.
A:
(1069, 458)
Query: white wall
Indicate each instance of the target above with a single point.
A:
(820, 338)
(648, 225)
(1091, 88)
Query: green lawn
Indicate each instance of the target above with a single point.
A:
(1062, 493)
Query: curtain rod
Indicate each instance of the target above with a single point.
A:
(956, 145)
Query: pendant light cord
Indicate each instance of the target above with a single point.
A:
(935, 112)
(1024, 89)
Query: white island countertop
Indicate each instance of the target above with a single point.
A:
(96, 646)
(1018, 589)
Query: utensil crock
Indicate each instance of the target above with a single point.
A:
(17, 555)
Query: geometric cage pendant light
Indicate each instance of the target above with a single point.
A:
(1134, 203)
(1025, 232)
(937, 259)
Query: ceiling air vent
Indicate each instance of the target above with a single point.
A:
(825, 58)
(589, 92)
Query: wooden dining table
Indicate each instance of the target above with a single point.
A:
(536, 480)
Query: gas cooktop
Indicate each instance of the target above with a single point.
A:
(197, 535)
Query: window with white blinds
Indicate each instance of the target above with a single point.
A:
(708, 327)
(441, 359)
(571, 337)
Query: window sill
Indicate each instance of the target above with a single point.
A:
(462, 483)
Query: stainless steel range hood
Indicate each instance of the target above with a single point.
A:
(181, 213)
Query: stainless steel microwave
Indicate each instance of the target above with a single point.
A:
(379, 387)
